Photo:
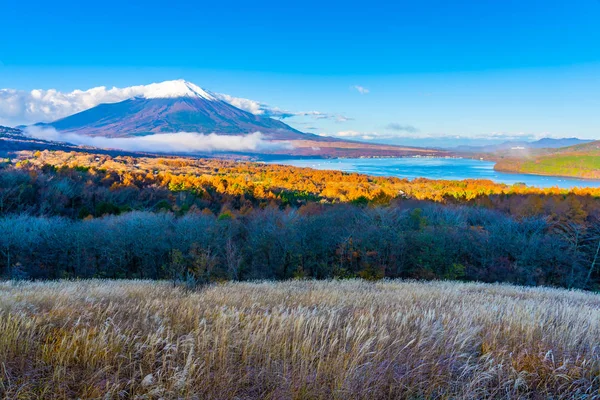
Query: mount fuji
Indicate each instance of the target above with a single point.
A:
(172, 107)
(178, 111)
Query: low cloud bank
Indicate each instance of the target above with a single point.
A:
(358, 135)
(181, 142)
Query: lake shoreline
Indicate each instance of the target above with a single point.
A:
(436, 168)
(508, 171)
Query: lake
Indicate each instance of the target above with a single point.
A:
(435, 168)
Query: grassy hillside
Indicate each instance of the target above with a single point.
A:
(297, 340)
(576, 161)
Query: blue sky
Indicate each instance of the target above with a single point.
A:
(432, 68)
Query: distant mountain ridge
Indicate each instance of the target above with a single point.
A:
(545, 143)
(550, 143)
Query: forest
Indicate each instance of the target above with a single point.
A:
(77, 215)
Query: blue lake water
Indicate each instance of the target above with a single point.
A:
(435, 168)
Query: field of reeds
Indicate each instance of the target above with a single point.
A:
(297, 340)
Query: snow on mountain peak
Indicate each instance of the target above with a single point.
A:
(174, 89)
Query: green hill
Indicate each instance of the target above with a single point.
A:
(582, 161)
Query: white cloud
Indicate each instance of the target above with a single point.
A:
(28, 107)
(342, 118)
(360, 89)
(258, 108)
(252, 106)
(348, 134)
(23, 107)
(182, 142)
(357, 135)
(394, 126)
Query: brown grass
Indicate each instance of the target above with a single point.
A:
(297, 340)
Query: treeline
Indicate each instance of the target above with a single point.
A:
(68, 215)
(77, 186)
(313, 241)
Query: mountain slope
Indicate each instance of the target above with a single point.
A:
(14, 140)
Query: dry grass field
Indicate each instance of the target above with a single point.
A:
(297, 340)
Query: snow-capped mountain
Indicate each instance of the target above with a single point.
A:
(182, 109)
(174, 89)
(171, 107)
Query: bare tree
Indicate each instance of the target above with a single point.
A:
(233, 258)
